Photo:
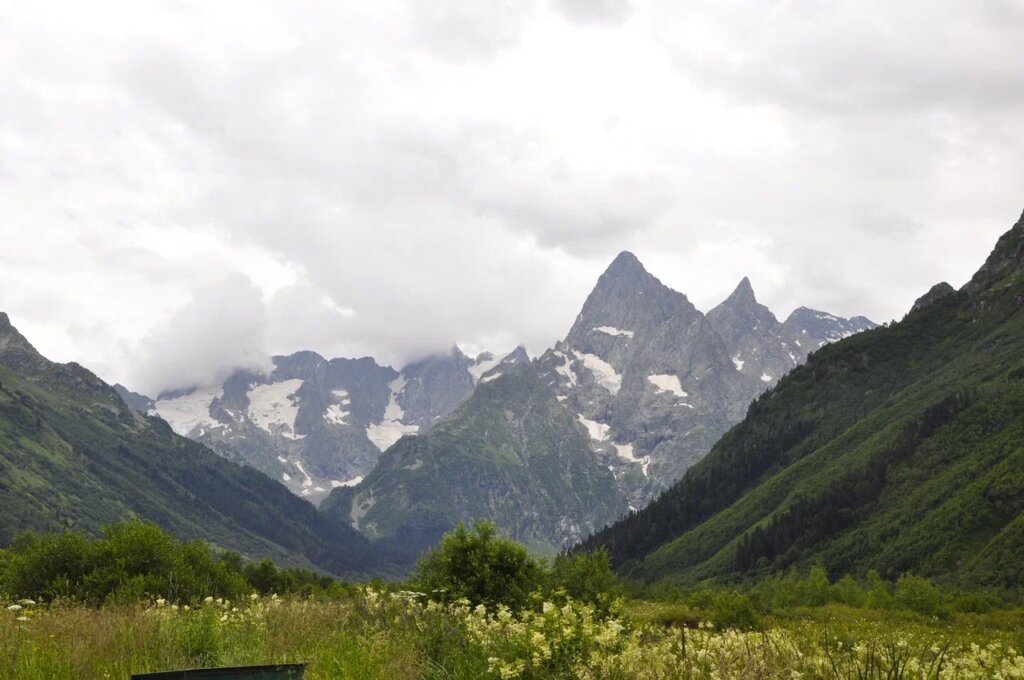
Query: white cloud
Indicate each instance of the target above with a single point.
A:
(220, 329)
(392, 177)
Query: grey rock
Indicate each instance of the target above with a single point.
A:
(934, 294)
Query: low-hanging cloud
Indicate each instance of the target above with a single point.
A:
(221, 328)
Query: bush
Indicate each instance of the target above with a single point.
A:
(919, 595)
(587, 577)
(730, 609)
(131, 561)
(481, 567)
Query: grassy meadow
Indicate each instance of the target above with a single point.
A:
(373, 634)
(477, 606)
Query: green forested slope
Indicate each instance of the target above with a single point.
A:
(72, 455)
(511, 454)
(899, 449)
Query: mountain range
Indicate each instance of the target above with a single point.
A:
(640, 389)
(894, 448)
(900, 449)
(316, 424)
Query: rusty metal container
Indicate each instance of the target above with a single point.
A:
(294, 671)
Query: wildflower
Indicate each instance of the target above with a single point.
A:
(27, 603)
(160, 602)
(254, 596)
(209, 599)
(22, 618)
(14, 608)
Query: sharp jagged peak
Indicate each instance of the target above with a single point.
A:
(742, 294)
(517, 356)
(626, 262)
(742, 303)
(626, 272)
(12, 340)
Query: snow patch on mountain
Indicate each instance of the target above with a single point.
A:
(274, 405)
(348, 482)
(625, 452)
(604, 373)
(610, 330)
(766, 378)
(308, 481)
(478, 369)
(336, 414)
(597, 431)
(489, 378)
(738, 362)
(667, 383)
(185, 414)
(565, 368)
(391, 428)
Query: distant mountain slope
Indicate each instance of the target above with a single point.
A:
(73, 455)
(656, 382)
(316, 424)
(511, 454)
(897, 449)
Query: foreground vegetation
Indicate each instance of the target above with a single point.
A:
(371, 634)
(477, 606)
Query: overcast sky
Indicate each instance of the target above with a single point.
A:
(190, 186)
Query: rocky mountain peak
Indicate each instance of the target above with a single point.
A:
(517, 356)
(936, 292)
(624, 264)
(741, 314)
(11, 340)
(743, 294)
(628, 298)
(1007, 257)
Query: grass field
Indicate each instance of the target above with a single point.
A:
(397, 635)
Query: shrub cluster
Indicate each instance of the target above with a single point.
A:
(132, 561)
(480, 567)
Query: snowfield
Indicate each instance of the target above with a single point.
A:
(667, 383)
(185, 414)
(390, 429)
(274, 406)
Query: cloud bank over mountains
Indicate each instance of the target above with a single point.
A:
(185, 186)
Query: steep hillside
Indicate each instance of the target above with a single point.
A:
(73, 455)
(898, 449)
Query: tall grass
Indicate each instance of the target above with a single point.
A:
(395, 636)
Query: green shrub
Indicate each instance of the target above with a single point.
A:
(731, 609)
(587, 577)
(481, 567)
(919, 595)
(878, 596)
(131, 561)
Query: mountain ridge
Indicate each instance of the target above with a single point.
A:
(74, 455)
(898, 449)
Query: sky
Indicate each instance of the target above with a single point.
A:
(189, 187)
